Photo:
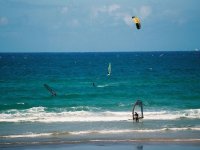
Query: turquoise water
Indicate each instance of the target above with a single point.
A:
(168, 83)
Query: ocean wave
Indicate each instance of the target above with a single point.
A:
(102, 86)
(28, 135)
(108, 85)
(40, 114)
(87, 108)
(88, 132)
(20, 103)
(131, 131)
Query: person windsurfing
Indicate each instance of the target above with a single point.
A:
(136, 117)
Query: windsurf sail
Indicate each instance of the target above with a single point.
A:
(109, 69)
(140, 104)
(53, 93)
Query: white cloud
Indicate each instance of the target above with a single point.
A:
(127, 19)
(64, 10)
(145, 11)
(113, 8)
(170, 13)
(175, 16)
(3, 21)
(74, 23)
(122, 15)
(105, 9)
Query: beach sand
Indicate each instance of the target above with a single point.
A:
(162, 144)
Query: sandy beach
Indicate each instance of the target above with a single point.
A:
(162, 144)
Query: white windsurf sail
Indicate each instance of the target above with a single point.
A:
(109, 69)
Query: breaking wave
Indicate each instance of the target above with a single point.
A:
(40, 114)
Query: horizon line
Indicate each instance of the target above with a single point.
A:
(102, 51)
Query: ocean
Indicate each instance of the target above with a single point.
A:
(90, 105)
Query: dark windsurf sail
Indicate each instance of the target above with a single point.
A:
(53, 93)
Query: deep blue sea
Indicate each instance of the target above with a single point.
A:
(90, 105)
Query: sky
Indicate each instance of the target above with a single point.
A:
(99, 25)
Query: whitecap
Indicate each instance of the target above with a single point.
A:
(40, 114)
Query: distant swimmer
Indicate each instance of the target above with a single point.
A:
(53, 93)
(140, 147)
(93, 84)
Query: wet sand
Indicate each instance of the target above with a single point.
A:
(161, 144)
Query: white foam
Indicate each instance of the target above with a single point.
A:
(132, 131)
(112, 131)
(83, 108)
(20, 103)
(101, 86)
(172, 115)
(39, 114)
(29, 135)
(107, 85)
(86, 132)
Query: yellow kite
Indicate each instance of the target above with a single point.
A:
(136, 20)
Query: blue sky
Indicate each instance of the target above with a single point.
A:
(98, 25)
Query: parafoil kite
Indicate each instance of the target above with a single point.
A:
(136, 20)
